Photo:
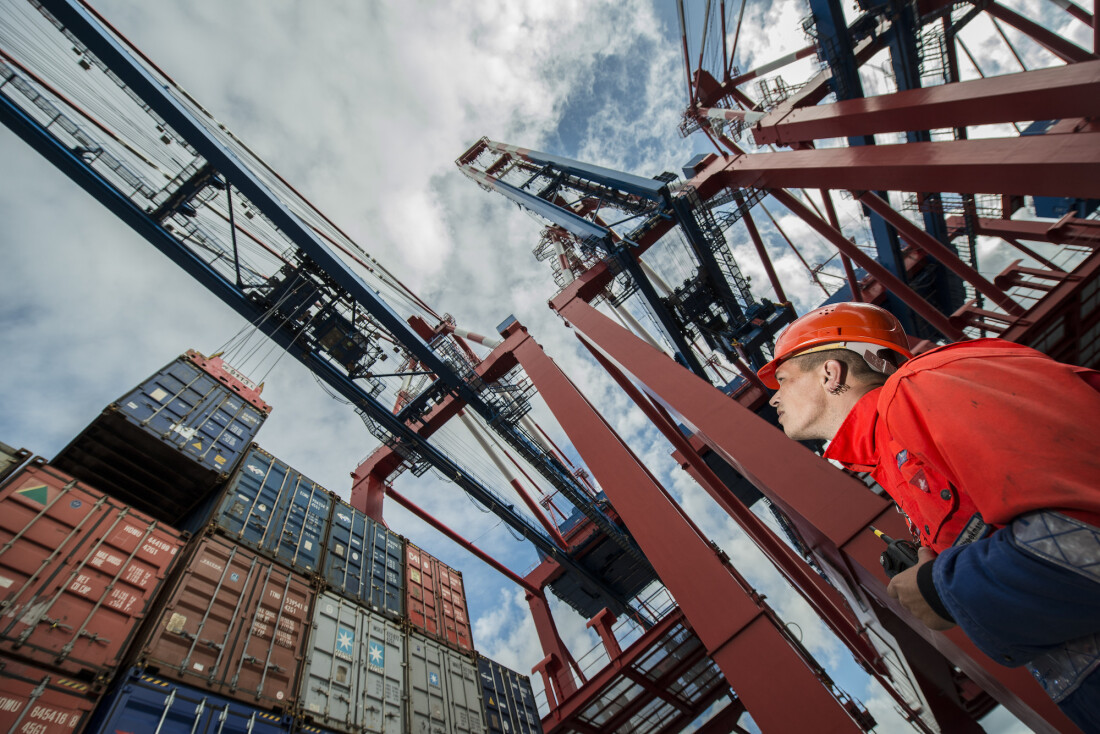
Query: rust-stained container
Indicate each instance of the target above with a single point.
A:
(38, 701)
(78, 572)
(234, 623)
(436, 599)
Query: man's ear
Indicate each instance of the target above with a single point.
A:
(833, 373)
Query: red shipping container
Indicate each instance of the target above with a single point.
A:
(78, 571)
(36, 701)
(422, 603)
(437, 599)
(456, 621)
(234, 622)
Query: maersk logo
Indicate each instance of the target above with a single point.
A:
(376, 656)
(345, 639)
(433, 679)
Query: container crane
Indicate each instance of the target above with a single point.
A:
(281, 267)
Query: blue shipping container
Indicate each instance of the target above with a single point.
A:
(277, 511)
(145, 703)
(167, 444)
(509, 701)
(366, 561)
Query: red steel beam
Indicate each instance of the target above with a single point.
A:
(559, 682)
(1068, 231)
(1049, 40)
(820, 596)
(890, 281)
(830, 509)
(727, 620)
(1058, 93)
(1040, 165)
(724, 722)
(443, 528)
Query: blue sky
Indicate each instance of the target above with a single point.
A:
(364, 108)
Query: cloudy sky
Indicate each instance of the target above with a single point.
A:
(364, 107)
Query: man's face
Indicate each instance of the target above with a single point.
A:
(801, 402)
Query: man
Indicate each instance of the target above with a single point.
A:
(992, 451)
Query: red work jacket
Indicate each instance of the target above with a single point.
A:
(983, 427)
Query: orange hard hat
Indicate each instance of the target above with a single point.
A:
(839, 324)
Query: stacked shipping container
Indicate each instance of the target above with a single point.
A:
(287, 610)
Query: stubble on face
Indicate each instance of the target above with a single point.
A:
(800, 402)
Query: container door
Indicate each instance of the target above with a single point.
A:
(384, 689)
(35, 700)
(346, 553)
(299, 538)
(386, 571)
(78, 602)
(253, 499)
(337, 653)
(429, 710)
(268, 652)
(193, 637)
(464, 694)
(146, 703)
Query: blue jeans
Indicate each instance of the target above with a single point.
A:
(1030, 594)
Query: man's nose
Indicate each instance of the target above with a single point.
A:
(774, 402)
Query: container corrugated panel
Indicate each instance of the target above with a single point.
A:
(510, 706)
(164, 446)
(455, 617)
(444, 692)
(365, 561)
(142, 702)
(354, 679)
(422, 604)
(436, 599)
(235, 623)
(78, 571)
(11, 459)
(38, 701)
(276, 510)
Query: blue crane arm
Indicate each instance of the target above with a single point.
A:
(72, 164)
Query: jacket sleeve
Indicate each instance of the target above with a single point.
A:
(1013, 433)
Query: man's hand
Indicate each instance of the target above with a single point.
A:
(903, 587)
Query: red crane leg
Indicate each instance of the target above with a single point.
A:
(368, 496)
(1049, 40)
(830, 509)
(1040, 165)
(555, 666)
(1060, 93)
(603, 623)
(745, 644)
(917, 237)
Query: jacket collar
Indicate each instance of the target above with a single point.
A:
(854, 444)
